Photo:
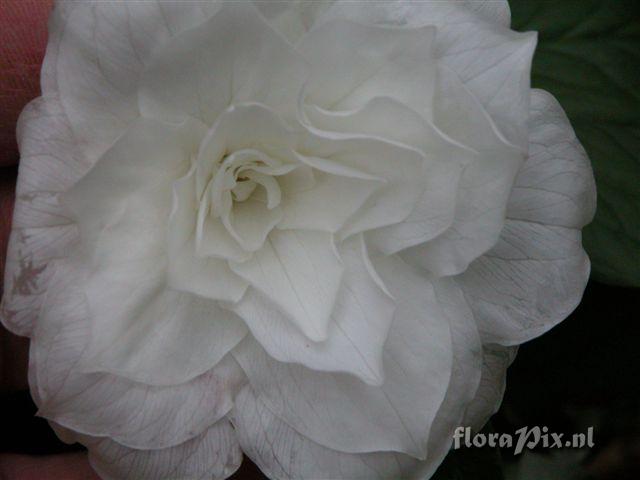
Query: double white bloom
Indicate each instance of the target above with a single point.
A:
(311, 232)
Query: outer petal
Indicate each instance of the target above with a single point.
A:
(136, 173)
(132, 413)
(360, 322)
(353, 63)
(556, 185)
(49, 163)
(233, 57)
(492, 61)
(387, 118)
(292, 18)
(536, 274)
(73, 118)
(465, 375)
(484, 187)
(96, 54)
(343, 413)
(492, 386)
(283, 453)
(213, 454)
(164, 338)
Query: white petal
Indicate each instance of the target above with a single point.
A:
(142, 163)
(188, 243)
(386, 118)
(233, 57)
(141, 416)
(414, 14)
(495, 64)
(401, 168)
(246, 127)
(292, 18)
(343, 413)
(283, 453)
(465, 375)
(484, 187)
(536, 274)
(531, 280)
(556, 185)
(41, 230)
(134, 414)
(352, 63)
(359, 325)
(96, 54)
(480, 209)
(474, 40)
(209, 277)
(217, 242)
(496, 360)
(214, 454)
(211, 240)
(327, 205)
(175, 338)
(432, 215)
(250, 222)
(147, 333)
(497, 11)
(300, 272)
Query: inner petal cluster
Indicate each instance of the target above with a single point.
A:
(243, 186)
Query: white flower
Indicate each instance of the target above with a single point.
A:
(310, 232)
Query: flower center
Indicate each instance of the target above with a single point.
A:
(242, 184)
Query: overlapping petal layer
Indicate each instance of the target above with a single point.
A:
(327, 223)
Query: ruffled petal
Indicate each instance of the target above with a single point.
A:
(484, 187)
(143, 163)
(189, 239)
(327, 205)
(420, 13)
(300, 272)
(250, 222)
(536, 274)
(281, 452)
(465, 375)
(488, 398)
(96, 54)
(292, 18)
(343, 413)
(41, 230)
(134, 414)
(209, 277)
(400, 168)
(146, 333)
(351, 63)
(384, 117)
(214, 454)
(233, 57)
(474, 40)
(359, 325)
(556, 185)
(432, 215)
